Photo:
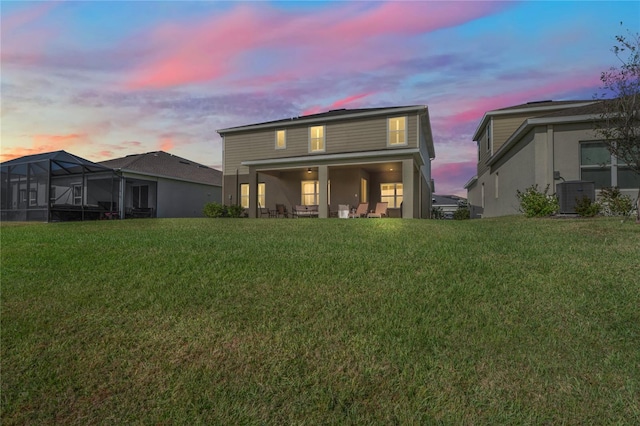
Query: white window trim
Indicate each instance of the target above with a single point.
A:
(316, 193)
(284, 131)
(395, 193)
(324, 139)
(406, 135)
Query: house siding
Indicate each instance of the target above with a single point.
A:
(350, 135)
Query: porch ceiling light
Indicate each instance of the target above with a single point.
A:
(309, 170)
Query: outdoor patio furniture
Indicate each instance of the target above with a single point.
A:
(343, 211)
(305, 211)
(381, 210)
(264, 212)
(361, 211)
(281, 210)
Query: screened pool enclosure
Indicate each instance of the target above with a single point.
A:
(58, 186)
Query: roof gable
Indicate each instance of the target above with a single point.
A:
(163, 164)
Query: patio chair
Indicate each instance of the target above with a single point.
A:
(361, 211)
(381, 210)
(281, 210)
(264, 212)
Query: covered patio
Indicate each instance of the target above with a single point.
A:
(330, 182)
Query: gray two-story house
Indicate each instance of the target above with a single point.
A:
(330, 159)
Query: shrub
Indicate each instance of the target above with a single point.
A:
(437, 213)
(235, 211)
(534, 203)
(614, 203)
(462, 213)
(214, 210)
(587, 208)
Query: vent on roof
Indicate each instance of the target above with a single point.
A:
(539, 102)
(339, 109)
(185, 162)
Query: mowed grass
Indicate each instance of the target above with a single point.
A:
(312, 321)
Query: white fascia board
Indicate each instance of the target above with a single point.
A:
(471, 182)
(302, 120)
(498, 113)
(533, 122)
(323, 158)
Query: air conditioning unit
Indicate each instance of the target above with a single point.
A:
(571, 192)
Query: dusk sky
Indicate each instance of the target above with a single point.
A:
(107, 79)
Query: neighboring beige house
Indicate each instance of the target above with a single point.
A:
(543, 143)
(333, 158)
(159, 184)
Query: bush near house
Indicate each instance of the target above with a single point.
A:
(615, 203)
(587, 208)
(217, 210)
(535, 203)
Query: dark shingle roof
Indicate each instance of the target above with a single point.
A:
(538, 104)
(591, 109)
(328, 114)
(160, 163)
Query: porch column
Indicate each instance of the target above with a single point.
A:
(253, 193)
(407, 189)
(323, 196)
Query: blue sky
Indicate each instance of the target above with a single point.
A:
(108, 79)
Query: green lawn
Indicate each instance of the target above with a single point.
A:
(321, 321)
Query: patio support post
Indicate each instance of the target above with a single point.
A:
(253, 193)
(323, 196)
(407, 189)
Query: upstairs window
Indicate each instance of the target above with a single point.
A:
(397, 131)
(316, 139)
(489, 136)
(281, 139)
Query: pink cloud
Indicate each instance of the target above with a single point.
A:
(340, 103)
(44, 143)
(345, 36)
(476, 108)
(27, 15)
(450, 177)
(166, 144)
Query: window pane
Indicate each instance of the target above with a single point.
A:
(244, 195)
(280, 139)
(316, 138)
(592, 154)
(601, 176)
(261, 195)
(397, 134)
(398, 201)
(627, 179)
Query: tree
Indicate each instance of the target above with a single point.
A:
(619, 121)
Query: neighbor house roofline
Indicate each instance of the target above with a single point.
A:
(333, 115)
(531, 107)
(471, 181)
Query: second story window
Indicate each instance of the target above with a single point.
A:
(489, 136)
(316, 139)
(281, 139)
(397, 131)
